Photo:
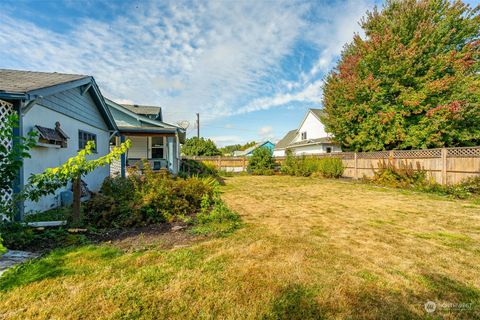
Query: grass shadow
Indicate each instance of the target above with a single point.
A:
(453, 297)
(34, 270)
(58, 263)
(295, 302)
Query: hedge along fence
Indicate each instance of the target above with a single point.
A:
(445, 165)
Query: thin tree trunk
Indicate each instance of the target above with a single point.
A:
(77, 193)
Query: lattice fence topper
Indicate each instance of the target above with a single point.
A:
(463, 152)
(6, 110)
(417, 154)
(373, 155)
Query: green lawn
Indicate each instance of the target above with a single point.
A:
(309, 249)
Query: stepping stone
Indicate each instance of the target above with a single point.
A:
(14, 257)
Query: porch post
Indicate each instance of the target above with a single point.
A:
(123, 159)
(19, 182)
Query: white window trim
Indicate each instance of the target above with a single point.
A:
(164, 147)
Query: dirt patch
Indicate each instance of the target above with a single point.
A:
(162, 236)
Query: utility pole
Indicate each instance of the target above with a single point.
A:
(198, 125)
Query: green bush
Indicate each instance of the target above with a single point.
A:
(261, 162)
(2, 248)
(215, 218)
(306, 166)
(17, 236)
(402, 175)
(405, 176)
(147, 199)
(468, 188)
(330, 167)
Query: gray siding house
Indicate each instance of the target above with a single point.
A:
(66, 110)
(152, 139)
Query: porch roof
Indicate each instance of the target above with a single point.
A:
(129, 122)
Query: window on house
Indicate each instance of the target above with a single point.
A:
(158, 148)
(329, 149)
(84, 137)
(304, 135)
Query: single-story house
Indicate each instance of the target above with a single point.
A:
(248, 152)
(152, 139)
(309, 138)
(66, 111)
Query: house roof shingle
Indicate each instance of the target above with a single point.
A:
(51, 134)
(19, 81)
(140, 109)
(285, 141)
(325, 140)
(317, 112)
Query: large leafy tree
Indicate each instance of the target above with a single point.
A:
(200, 147)
(412, 82)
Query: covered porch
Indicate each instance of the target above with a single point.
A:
(161, 150)
(153, 140)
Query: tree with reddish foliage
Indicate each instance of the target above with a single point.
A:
(412, 82)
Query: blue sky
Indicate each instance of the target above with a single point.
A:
(250, 68)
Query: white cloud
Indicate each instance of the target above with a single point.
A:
(266, 133)
(311, 93)
(217, 58)
(226, 140)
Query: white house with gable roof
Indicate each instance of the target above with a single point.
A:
(309, 138)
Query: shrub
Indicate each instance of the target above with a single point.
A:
(261, 162)
(147, 199)
(330, 167)
(2, 248)
(402, 175)
(215, 219)
(17, 236)
(306, 166)
(468, 188)
(118, 187)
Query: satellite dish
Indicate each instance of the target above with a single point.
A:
(183, 124)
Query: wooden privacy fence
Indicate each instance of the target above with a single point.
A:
(445, 165)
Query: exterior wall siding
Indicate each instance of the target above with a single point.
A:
(47, 157)
(75, 105)
(315, 149)
(314, 128)
(139, 148)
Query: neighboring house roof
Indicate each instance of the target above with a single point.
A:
(30, 86)
(19, 81)
(252, 148)
(131, 122)
(325, 140)
(317, 112)
(149, 111)
(285, 141)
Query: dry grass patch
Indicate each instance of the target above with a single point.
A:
(310, 249)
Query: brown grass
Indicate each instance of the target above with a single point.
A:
(310, 249)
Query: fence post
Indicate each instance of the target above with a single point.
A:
(219, 162)
(355, 172)
(244, 164)
(444, 166)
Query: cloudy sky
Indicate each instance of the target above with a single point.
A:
(250, 68)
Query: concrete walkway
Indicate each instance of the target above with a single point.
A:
(14, 257)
